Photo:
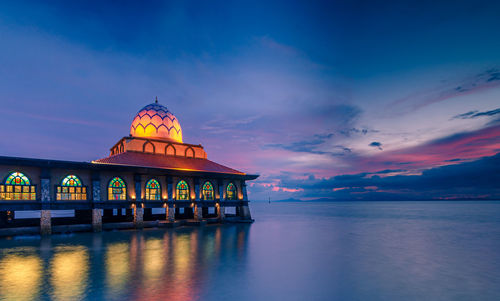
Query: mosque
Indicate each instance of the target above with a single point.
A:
(151, 178)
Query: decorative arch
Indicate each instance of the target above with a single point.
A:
(153, 190)
(182, 191)
(207, 191)
(17, 186)
(71, 189)
(231, 192)
(148, 147)
(170, 149)
(121, 148)
(189, 152)
(117, 189)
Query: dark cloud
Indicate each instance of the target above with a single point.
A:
(470, 179)
(376, 144)
(475, 114)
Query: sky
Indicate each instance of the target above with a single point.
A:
(323, 99)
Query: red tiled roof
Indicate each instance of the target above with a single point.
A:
(166, 162)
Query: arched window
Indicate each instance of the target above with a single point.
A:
(71, 189)
(170, 150)
(189, 152)
(208, 191)
(182, 191)
(153, 190)
(17, 186)
(117, 190)
(231, 192)
(148, 147)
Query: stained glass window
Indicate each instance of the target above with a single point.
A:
(182, 193)
(153, 190)
(117, 190)
(208, 191)
(71, 189)
(17, 186)
(231, 192)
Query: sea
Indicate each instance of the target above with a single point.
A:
(293, 251)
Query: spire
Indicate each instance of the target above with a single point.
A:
(156, 99)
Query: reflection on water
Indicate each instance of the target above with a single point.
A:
(20, 277)
(117, 267)
(126, 265)
(69, 269)
(320, 251)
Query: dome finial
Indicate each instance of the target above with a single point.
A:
(156, 99)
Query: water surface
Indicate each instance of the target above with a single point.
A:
(294, 251)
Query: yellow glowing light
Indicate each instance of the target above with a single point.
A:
(154, 260)
(20, 277)
(69, 270)
(117, 268)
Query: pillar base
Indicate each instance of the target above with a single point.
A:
(139, 218)
(221, 214)
(198, 212)
(45, 222)
(171, 214)
(244, 212)
(96, 220)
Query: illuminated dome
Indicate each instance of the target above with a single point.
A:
(156, 121)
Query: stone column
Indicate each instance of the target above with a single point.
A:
(198, 213)
(138, 210)
(171, 212)
(170, 202)
(96, 220)
(221, 210)
(170, 192)
(244, 211)
(45, 216)
(96, 212)
(139, 217)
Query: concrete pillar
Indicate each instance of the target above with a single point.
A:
(221, 209)
(244, 210)
(96, 190)
(138, 210)
(221, 212)
(45, 215)
(171, 213)
(96, 220)
(244, 191)
(198, 213)
(139, 217)
(45, 222)
(170, 192)
(96, 213)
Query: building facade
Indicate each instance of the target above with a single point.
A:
(150, 179)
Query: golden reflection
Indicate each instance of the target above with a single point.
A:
(69, 270)
(20, 277)
(154, 260)
(117, 267)
(182, 257)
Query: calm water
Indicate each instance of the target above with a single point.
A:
(319, 251)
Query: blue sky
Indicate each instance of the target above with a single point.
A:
(299, 92)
